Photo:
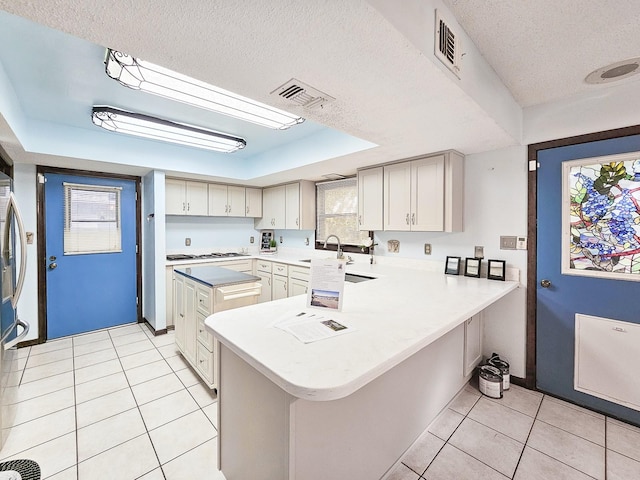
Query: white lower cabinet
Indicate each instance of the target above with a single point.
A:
(298, 280)
(193, 303)
(263, 270)
(472, 343)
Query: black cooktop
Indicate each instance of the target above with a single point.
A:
(185, 256)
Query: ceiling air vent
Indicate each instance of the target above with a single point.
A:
(302, 94)
(447, 45)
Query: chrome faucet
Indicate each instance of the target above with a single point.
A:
(339, 254)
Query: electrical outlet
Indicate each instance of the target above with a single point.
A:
(252, 239)
(478, 252)
(393, 246)
(187, 242)
(427, 249)
(507, 243)
(280, 238)
(306, 241)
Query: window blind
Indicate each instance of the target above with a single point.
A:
(91, 219)
(337, 212)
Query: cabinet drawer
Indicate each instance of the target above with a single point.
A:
(237, 265)
(263, 266)
(203, 300)
(204, 337)
(204, 363)
(300, 273)
(280, 269)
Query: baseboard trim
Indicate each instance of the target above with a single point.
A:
(153, 330)
(519, 381)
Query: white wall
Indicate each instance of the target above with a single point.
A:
(495, 204)
(24, 186)
(153, 249)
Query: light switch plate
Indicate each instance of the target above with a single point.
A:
(251, 239)
(187, 242)
(478, 252)
(393, 246)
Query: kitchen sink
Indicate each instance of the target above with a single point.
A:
(353, 278)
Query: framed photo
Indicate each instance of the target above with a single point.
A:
(496, 270)
(452, 267)
(472, 267)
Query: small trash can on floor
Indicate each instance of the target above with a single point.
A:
(28, 470)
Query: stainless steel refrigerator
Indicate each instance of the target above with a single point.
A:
(13, 329)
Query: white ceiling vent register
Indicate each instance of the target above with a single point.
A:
(448, 46)
(302, 94)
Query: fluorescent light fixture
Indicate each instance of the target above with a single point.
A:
(141, 75)
(140, 125)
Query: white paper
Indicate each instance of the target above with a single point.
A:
(326, 284)
(310, 327)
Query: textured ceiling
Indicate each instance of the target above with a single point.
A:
(543, 49)
(387, 87)
(387, 92)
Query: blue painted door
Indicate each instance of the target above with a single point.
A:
(568, 294)
(89, 291)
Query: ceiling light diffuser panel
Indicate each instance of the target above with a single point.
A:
(142, 75)
(145, 126)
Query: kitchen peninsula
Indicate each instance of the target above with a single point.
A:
(348, 406)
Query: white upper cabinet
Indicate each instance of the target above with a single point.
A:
(253, 202)
(370, 199)
(273, 208)
(427, 194)
(290, 206)
(424, 195)
(397, 196)
(185, 198)
(226, 200)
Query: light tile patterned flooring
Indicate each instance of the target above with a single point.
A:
(523, 436)
(123, 404)
(116, 403)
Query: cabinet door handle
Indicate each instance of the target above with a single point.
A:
(229, 207)
(413, 219)
(407, 219)
(297, 221)
(360, 219)
(285, 285)
(247, 209)
(188, 206)
(183, 205)
(269, 282)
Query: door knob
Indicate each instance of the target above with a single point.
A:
(545, 283)
(53, 266)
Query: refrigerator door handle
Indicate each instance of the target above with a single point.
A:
(15, 341)
(13, 207)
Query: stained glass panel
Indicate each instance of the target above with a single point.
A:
(602, 217)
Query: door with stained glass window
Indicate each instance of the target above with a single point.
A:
(91, 253)
(588, 257)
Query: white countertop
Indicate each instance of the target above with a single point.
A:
(395, 315)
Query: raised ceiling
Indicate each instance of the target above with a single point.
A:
(372, 56)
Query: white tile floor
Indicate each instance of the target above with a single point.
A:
(123, 404)
(524, 436)
(117, 403)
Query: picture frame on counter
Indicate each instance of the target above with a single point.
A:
(472, 267)
(496, 269)
(452, 266)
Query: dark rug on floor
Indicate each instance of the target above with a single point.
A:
(28, 469)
